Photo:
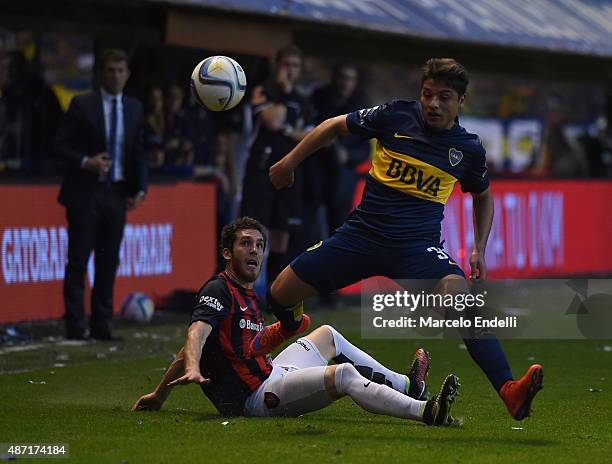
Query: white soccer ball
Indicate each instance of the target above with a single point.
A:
(218, 83)
(137, 307)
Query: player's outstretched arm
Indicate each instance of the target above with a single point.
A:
(483, 219)
(154, 401)
(178, 373)
(196, 337)
(281, 173)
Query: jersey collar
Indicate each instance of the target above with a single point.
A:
(248, 291)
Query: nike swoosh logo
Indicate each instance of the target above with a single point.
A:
(366, 384)
(244, 309)
(452, 262)
(397, 135)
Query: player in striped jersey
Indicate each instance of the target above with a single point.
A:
(218, 355)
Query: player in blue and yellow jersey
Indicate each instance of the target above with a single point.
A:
(421, 152)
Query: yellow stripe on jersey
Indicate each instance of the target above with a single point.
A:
(411, 176)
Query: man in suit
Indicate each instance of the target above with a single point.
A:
(100, 143)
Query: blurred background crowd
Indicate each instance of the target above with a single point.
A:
(540, 114)
(540, 98)
(561, 125)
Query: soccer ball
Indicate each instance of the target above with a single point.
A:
(218, 83)
(137, 307)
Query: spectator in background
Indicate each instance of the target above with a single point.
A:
(155, 125)
(200, 130)
(172, 133)
(221, 171)
(282, 118)
(330, 176)
(335, 165)
(31, 114)
(210, 136)
(598, 149)
(179, 151)
(100, 143)
(563, 160)
(3, 122)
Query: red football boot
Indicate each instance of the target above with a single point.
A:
(272, 336)
(518, 394)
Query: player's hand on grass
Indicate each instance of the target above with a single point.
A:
(190, 377)
(148, 402)
(281, 175)
(478, 267)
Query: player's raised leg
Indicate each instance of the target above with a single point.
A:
(287, 306)
(341, 260)
(334, 346)
(518, 394)
(286, 296)
(486, 350)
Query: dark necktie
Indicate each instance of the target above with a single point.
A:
(114, 149)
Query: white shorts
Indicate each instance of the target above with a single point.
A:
(295, 386)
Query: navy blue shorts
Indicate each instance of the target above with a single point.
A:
(349, 256)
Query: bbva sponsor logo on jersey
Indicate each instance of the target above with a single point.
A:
(410, 175)
(248, 324)
(211, 301)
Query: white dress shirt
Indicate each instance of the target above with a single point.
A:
(107, 103)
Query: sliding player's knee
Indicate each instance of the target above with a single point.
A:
(346, 378)
(338, 341)
(323, 338)
(323, 334)
(329, 330)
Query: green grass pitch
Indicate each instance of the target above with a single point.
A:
(88, 391)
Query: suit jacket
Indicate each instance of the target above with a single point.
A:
(82, 134)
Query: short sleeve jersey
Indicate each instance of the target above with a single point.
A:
(414, 171)
(235, 316)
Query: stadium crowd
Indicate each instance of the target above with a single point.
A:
(184, 140)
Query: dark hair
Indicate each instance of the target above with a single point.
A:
(228, 234)
(289, 50)
(338, 67)
(447, 70)
(114, 55)
(17, 64)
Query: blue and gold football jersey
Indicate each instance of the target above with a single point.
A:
(414, 171)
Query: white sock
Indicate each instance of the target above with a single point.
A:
(366, 364)
(376, 398)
